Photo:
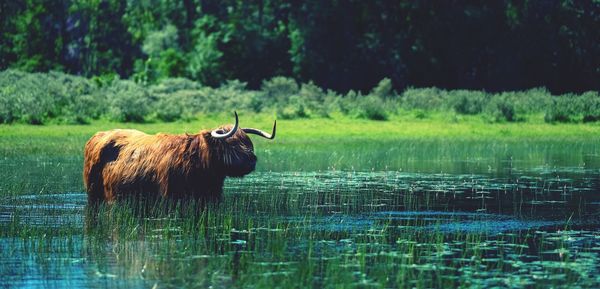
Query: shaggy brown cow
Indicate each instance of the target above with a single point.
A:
(129, 163)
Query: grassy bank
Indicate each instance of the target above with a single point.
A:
(338, 126)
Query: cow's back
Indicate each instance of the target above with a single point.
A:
(100, 150)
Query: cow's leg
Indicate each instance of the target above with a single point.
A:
(99, 182)
(214, 190)
(95, 184)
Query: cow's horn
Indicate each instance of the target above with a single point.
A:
(218, 133)
(260, 132)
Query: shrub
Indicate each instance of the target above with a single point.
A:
(371, 107)
(423, 98)
(314, 99)
(420, 114)
(129, 102)
(27, 106)
(500, 108)
(295, 108)
(10, 104)
(84, 108)
(6, 111)
(182, 99)
(37, 98)
(331, 103)
(233, 95)
(278, 89)
(31, 97)
(384, 89)
(345, 102)
(562, 109)
(170, 85)
(590, 104)
(175, 106)
(466, 101)
(104, 79)
(77, 99)
(534, 100)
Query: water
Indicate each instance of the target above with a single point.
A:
(418, 214)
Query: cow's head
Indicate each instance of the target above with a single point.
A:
(232, 150)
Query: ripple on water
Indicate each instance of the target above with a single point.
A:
(53, 210)
(438, 221)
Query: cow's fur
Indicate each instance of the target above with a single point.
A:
(129, 163)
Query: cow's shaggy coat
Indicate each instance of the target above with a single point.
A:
(126, 163)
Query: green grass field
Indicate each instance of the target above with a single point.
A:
(338, 126)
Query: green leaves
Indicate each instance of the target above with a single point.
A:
(205, 60)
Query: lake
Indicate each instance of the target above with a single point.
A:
(423, 213)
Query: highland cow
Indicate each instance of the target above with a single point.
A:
(126, 163)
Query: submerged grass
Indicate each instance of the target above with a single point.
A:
(242, 243)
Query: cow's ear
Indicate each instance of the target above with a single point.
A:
(205, 134)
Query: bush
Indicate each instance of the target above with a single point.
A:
(420, 114)
(347, 103)
(233, 95)
(574, 108)
(77, 99)
(182, 99)
(129, 102)
(295, 108)
(384, 89)
(281, 93)
(278, 89)
(170, 85)
(85, 108)
(330, 103)
(423, 98)
(500, 109)
(534, 100)
(371, 107)
(466, 101)
(175, 106)
(562, 109)
(37, 98)
(314, 99)
(590, 104)
(27, 106)
(18, 98)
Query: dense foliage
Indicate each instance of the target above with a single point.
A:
(340, 45)
(37, 98)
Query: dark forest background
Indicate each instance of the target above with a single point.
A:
(339, 45)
